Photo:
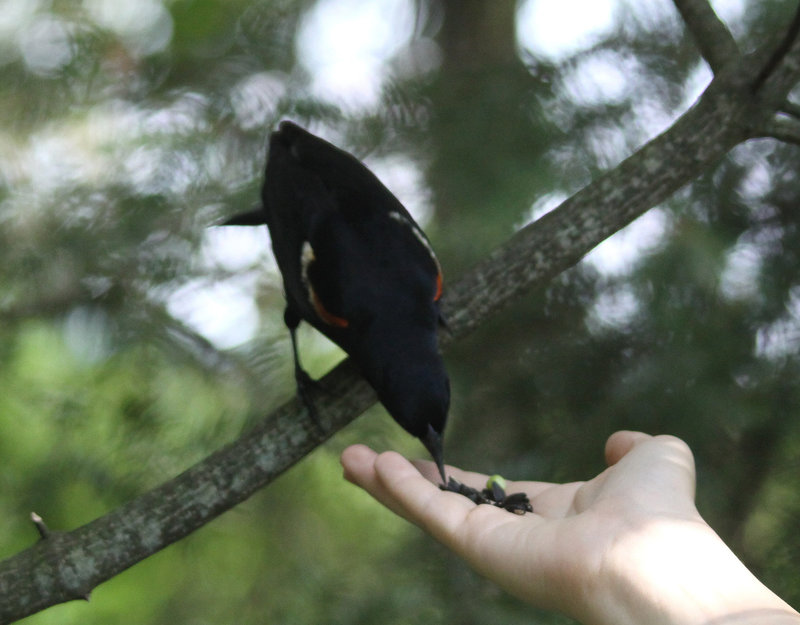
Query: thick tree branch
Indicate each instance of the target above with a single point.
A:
(68, 565)
(715, 42)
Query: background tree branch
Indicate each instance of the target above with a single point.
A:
(791, 108)
(715, 42)
(783, 129)
(68, 565)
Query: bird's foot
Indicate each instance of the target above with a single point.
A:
(307, 387)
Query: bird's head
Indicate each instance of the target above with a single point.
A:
(412, 384)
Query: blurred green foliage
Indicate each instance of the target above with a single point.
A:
(126, 133)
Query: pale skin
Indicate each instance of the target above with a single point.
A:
(626, 547)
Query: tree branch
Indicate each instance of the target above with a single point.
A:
(783, 129)
(791, 108)
(780, 52)
(715, 42)
(68, 565)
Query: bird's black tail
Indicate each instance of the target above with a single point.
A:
(255, 217)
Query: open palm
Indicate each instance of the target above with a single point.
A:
(597, 550)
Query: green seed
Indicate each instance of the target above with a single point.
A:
(496, 479)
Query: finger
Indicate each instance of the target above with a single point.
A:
(620, 443)
(493, 541)
(439, 512)
(390, 478)
(358, 462)
(681, 461)
(400, 486)
(655, 471)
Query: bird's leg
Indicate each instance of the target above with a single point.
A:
(305, 383)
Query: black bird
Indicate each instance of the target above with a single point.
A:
(358, 268)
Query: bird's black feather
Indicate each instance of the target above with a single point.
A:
(358, 268)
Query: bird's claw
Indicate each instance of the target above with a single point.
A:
(307, 387)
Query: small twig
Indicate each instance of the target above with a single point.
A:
(41, 527)
(783, 129)
(44, 534)
(790, 108)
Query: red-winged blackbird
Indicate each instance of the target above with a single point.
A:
(358, 268)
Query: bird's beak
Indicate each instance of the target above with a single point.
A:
(433, 443)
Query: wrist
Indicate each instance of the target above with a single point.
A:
(680, 572)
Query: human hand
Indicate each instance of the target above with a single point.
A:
(625, 547)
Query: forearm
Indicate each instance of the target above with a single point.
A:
(680, 572)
